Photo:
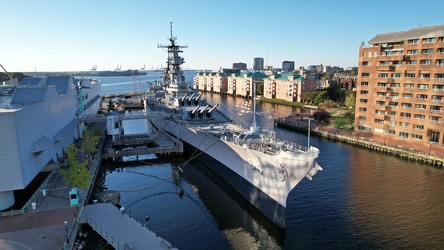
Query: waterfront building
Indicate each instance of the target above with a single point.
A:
(258, 64)
(400, 87)
(215, 82)
(38, 120)
(288, 87)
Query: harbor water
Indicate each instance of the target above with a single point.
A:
(361, 200)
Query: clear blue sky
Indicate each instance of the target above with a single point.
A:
(54, 35)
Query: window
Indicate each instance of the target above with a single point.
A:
(405, 115)
(392, 123)
(409, 86)
(380, 103)
(410, 75)
(412, 52)
(423, 86)
(404, 135)
(362, 109)
(382, 85)
(404, 124)
(365, 75)
(411, 62)
(390, 131)
(414, 41)
(364, 92)
(435, 109)
(440, 50)
(439, 77)
(408, 95)
(383, 75)
(420, 106)
(429, 40)
(379, 121)
(365, 63)
(396, 76)
(426, 51)
(364, 83)
(439, 63)
(419, 117)
(419, 127)
(406, 105)
(362, 118)
(383, 63)
(425, 76)
(375, 54)
(381, 94)
(364, 128)
(421, 97)
(415, 136)
(426, 62)
(435, 136)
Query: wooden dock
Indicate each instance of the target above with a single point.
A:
(159, 143)
(119, 229)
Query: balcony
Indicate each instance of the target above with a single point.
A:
(385, 68)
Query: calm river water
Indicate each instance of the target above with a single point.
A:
(361, 200)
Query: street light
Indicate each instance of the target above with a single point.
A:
(66, 231)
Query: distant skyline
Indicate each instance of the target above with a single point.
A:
(75, 35)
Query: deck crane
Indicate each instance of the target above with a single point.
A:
(9, 75)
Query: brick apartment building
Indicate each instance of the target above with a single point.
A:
(400, 87)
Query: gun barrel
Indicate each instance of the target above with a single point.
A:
(213, 108)
(194, 110)
(203, 110)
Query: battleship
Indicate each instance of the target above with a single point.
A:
(259, 166)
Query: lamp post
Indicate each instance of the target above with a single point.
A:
(66, 231)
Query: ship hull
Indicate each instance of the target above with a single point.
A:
(264, 203)
(253, 174)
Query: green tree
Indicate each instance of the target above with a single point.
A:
(328, 104)
(350, 100)
(260, 89)
(77, 174)
(89, 142)
(321, 97)
(111, 105)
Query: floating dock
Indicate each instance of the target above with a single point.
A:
(120, 230)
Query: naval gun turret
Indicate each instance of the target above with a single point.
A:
(189, 99)
(193, 112)
(209, 112)
(182, 101)
(202, 112)
(196, 99)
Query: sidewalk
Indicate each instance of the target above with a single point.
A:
(44, 227)
(416, 145)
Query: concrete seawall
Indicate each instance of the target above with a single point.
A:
(363, 142)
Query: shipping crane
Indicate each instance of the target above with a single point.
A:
(9, 75)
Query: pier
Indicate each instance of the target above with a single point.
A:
(159, 143)
(120, 229)
(156, 142)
